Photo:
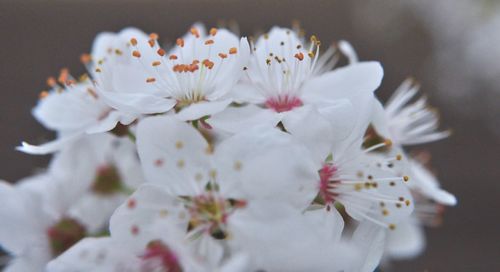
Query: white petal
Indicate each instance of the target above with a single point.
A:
(49, 147)
(138, 103)
(426, 182)
(406, 241)
(345, 82)
(133, 221)
(23, 220)
(238, 119)
(106, 124)
(173, 153)
(201, 109)
(308, 126)
(96, 255)
(369, 239)
(262, 161)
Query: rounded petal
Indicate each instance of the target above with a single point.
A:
(239, 119)
(344, 82)
(201, 109)
(174, 154)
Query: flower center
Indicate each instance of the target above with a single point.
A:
(65, 234)
(326, 184)
(210, 213)
(283, 103)
(107, 180)
(157, 251)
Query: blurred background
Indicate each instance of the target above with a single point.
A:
(450, 46)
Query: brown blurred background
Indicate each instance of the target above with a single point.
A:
(40, 37)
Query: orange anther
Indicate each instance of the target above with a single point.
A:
(299, 56)
(180, 42)
(213, 31)
(85, 58)
(156, 63)
(172, 57)
(43, 94)
(136, 54)
(195, 32)
(209, 64)
(133, 41)
(222, 55)
(63, 76)
(51, 81)
(207, 42)
(151, 42)
(233, 50)
(161, 52)
(150, 79)
(153, 36)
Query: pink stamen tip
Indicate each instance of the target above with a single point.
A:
(283, 103)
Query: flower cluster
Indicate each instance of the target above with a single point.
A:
(222, 153)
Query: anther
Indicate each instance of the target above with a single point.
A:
(406, 178)
(399, 157)
(150, 79)
(233, 50)
(172, 57)
(161, 52)
(213, 31)
(51, 81)
(392, 226)
(156, 63)
(118, 52)
(299, 56)
(136, 54)
(85, 58)
(195, 32)
(388, 142)
(153, 36)
(222, 55)
(133, 41)
(98, 70)
(151, 42)
(43, 94)
(180, 42)
(208, 42)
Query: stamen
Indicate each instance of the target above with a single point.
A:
(136, 54)
(213, 31)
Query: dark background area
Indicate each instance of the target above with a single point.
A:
(38, 38)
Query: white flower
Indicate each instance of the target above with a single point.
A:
(165, 250)
(285, 74)
(76, 107)
(84, 184)
(194, 76)
(105, 168)
(243, 177)
(36, 226)
(408, 124)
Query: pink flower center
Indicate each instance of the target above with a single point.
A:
(159, 252)
(283, 103)
(326, 184)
